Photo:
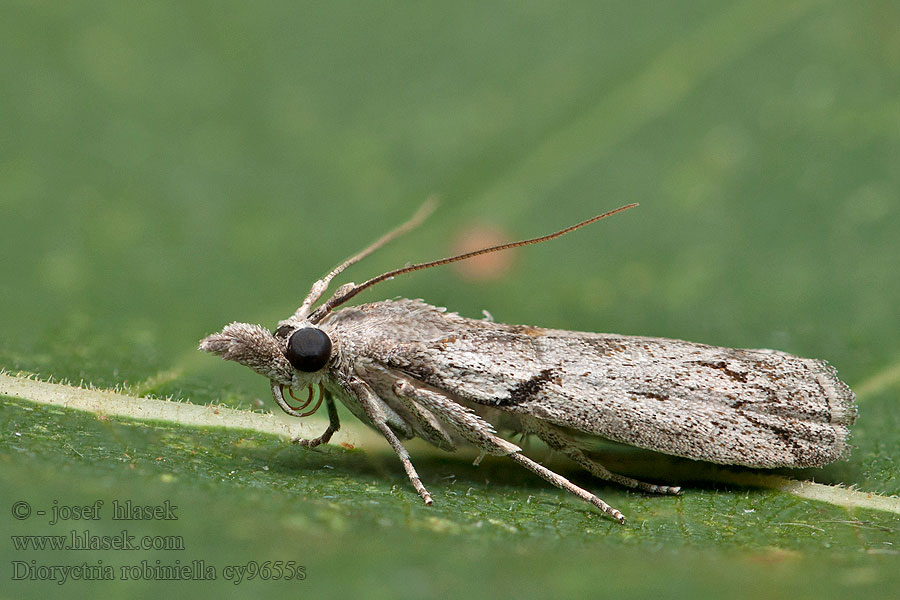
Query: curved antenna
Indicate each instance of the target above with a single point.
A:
(346, 292)
(319, 287)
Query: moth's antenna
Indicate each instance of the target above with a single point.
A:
(319, 287)
(342, 294)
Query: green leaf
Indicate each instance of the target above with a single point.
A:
(169, 168)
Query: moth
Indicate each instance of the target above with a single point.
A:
(409, 369)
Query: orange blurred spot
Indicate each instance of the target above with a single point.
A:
(488, 267)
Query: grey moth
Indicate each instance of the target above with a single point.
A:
(409, 369)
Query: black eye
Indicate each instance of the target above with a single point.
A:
(308, 349)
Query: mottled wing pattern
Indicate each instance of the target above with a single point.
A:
(759, 408)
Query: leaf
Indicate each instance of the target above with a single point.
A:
(169, 169)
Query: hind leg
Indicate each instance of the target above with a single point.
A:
(559, 441)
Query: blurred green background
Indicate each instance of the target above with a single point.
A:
(166, 168)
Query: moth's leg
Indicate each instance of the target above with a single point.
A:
(463, 421)
(371, 404)
(598, 470)
(481, 434)
(563, 483)
(334, 424)
(557, 440)
(431, 428)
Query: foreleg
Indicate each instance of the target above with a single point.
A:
(334, 424)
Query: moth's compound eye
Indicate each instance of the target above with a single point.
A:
(308, 349)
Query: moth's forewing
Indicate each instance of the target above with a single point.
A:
(758, 408)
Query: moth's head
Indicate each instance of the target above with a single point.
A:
(275, 355)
